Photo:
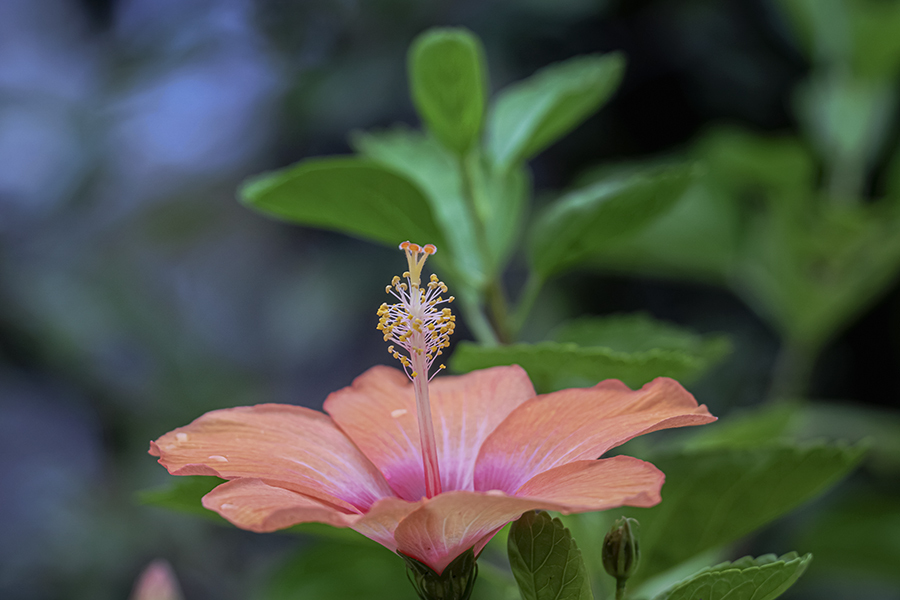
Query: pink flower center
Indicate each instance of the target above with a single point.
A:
(421, 330)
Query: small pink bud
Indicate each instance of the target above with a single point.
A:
(157, 582)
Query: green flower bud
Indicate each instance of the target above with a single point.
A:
(621, 550)
(455, 583)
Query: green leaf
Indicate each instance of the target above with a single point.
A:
(552, 365)
(545, 560)
(448, 81)
(639, 332)
(436, 172)
(779, 169)
(346, 194)
(584, 221)
(500, 197)
(183, 495)
(746, 428)
(860, 536)
(748, 578)
(330, 570)
(848, 120)
(694, 240)
(809, 276)
(530, 115)
(878, 428)
(717, 495)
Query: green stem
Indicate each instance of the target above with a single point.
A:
(846, 179)
(793, 370)
(478, 321)
(620, 589)
(526, 301)
(496, 300)
(494, 296)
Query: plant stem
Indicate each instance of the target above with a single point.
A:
(493, 297)
(496, 300)
(793, 370)
(526, 301)
(620, 589)
(477, 321)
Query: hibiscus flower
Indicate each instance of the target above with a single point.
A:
(428, 470)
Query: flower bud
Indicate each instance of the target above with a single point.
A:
(455, 583)
(157, 582)
(621, 550)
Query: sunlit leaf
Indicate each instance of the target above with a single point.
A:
(553, 365)
(748, 578)
(584, 221)
(717, 495)
(531, 114)
(448, 80)
(639, 332)
(347, 194)
(437, 173)
(545, 560)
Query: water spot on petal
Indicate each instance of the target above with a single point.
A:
(495, 493)
(181, 437)
(218, 458)
(398, 413)
(227, 506)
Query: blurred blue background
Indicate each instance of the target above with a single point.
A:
(136, 293)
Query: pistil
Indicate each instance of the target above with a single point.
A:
(422, 331)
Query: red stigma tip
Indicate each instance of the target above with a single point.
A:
(404, 245)
(429, 249)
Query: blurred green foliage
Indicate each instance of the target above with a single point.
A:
(807, 253)
(801, 225)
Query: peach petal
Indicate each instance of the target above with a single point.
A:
(579, 424)
(286, 446)
(254, 505)
(382, 519)
(449, 524)
(378, 412)
(590, 485)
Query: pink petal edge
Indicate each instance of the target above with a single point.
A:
(256, 506)
(286, 446)
(579, 424)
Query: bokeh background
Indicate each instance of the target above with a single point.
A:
(136, 293)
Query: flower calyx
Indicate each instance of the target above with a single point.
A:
(456, 582)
